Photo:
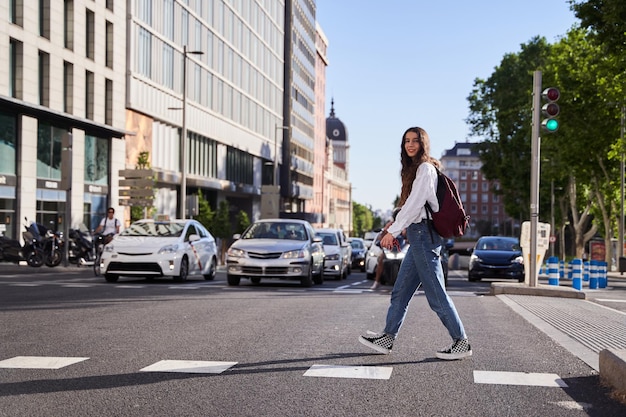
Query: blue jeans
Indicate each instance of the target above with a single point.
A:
(422, 264)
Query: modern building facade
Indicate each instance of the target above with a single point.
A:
(62, 111)
(482, 203)
(89, 89)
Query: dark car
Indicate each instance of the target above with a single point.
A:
(358, 253)
(496, 257)
(445, 256)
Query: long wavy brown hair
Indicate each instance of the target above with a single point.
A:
(410, 165)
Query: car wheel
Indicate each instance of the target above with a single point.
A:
(111, 277)
(212, 270)
(233, 280)
(255, 280)
(472, 278)
(184, 270)
(521, 279)
(307, 280)
(318, 278)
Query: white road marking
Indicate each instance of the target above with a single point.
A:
(610, 300)
(39, 362)
(360, 372)
(189, 367)
(518, 378)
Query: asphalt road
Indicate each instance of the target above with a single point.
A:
(275, 349)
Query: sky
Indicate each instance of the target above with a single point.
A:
(400, 63)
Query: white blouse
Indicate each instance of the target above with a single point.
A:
(423, 191)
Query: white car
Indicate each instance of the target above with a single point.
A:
(152, 249)
(338, 259)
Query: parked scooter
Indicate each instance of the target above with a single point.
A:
(80, 250)
(32, 252)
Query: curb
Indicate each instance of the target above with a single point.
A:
(612, 362)
(613, 370)
(539, 290)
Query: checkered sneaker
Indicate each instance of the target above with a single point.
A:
(379, 342)
(458, 350)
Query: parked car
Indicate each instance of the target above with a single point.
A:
(338, 253)
(369, 237)
(276, 248)
(358, 253)
(496, 257)
(152, 249)
(445, 256)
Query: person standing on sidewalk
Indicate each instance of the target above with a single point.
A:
(421, 264)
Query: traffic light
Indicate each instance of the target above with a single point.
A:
(550, 110)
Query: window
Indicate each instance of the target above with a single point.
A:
(168, 19)
(16, 68)
(484, 198)
(109, 44)
(485, 186)
(239, 166)
(68, 24)
(474, 186)
(202, 156)
(89, 95)
(68, 87)
(16, 12)
(168, 66)
(144, 53)
(463, 175)
(49, 151)
(108, 102)
(44, 18)
(96, 160)
(90, 34)
(44, 79)
(8, 139)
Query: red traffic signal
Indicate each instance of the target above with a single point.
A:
(551, 94)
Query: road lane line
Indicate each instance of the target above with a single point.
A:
(189, 367)
(359, 372)
(39, 362)
(519, 378)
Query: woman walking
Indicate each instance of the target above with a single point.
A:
(422, 265)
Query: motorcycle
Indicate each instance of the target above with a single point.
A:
(80, 250)
(32, 251)
(52, 247)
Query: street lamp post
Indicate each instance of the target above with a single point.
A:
(183, 144)
(274, 177)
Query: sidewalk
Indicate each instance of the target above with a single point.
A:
(594, 333)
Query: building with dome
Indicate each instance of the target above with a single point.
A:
(337, 187)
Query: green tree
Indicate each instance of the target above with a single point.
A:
(362, 219)
(243, 221)
(205, 213)
(221, 227)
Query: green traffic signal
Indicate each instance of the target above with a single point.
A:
(550, 125)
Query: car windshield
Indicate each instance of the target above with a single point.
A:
(357, 244)
(328, 238)
(154, 229)
(278, 230)
(498, 244)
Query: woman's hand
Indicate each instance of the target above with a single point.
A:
(387, 241)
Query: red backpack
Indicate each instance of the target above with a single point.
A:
(451, 219)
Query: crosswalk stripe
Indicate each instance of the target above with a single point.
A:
(39, 362)
(360, 372)
(189, 367)
(519, 378)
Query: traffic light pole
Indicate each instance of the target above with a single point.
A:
(534, 177)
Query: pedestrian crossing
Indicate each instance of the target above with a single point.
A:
(316, 370)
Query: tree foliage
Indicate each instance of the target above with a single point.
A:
(580, 162)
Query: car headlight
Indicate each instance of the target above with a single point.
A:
(332, 257)
(236, 253)
(518, 260)
(295, 254)
(109, 248)
(168, 249)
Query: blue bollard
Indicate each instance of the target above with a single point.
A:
(577, 274)
(586, 271)
(561, 269)
(593, 275)
(553, 270)
(602, 274)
